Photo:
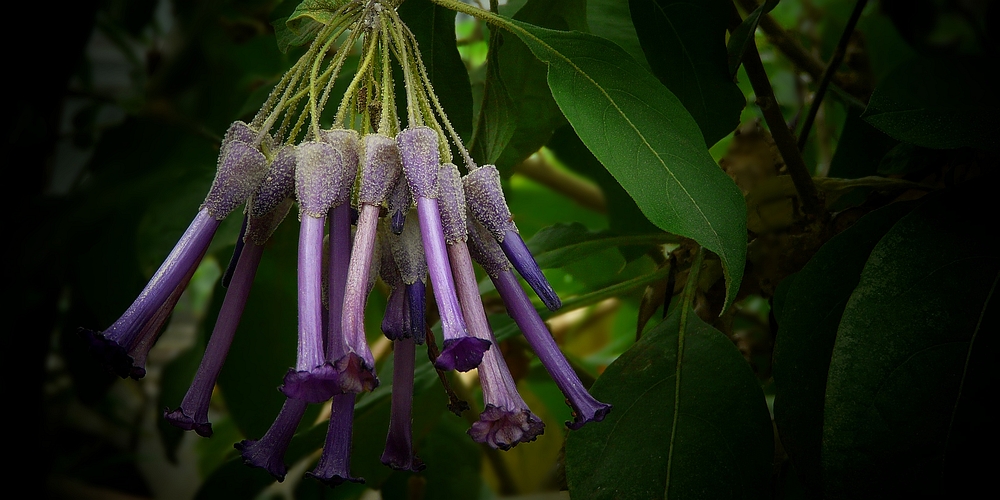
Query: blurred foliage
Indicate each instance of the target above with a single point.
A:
(876, 317)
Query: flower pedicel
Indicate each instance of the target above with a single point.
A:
(413, 223)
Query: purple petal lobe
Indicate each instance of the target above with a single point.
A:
(318, 174)
(462, 354)
(451, 199)
(504, 428)
(111, 354)
(418, 147)
(519, 255)
(178, 418)
(356, 375)
(312, 386)
(380, 170)
(268, 452)
(240, 170)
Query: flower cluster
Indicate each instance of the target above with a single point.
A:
(416, 222)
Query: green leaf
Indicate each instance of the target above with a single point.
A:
(722, 445)
(743, 35)
(685, 44)
(495, 125)
(434, 28)
(913, 368)
(807, 327)
(563, 244)
(610, 19)
(306, 30)
(537, 114)
(624, 216)
(954, 104)
(310, 12)
(646, 139)
(859, 148)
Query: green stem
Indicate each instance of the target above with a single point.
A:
(686, 301)
(831, 69)
(783, 138)
(469, 164)
(362, 70)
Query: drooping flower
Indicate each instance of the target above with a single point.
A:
(489, 255)
(486, 200)
(398, 452)
(317, 182)
(266, 209)
(268, 452)
(419, 149)
(506, 420)
(123, 347)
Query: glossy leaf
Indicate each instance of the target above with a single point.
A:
(954, 105)
(610, 19)
(537, 114)
(913, 371)
(306, 30)
(722, 445)
(808, 317)
(743, 35)
(309, 12)
(646, 139)
(495, 125)
(563, 244)
(685, 44)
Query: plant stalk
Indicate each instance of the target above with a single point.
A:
(830, 71)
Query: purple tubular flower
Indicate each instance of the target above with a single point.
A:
(488, 253)
(379, 172)
(398, 452)
(193, 412)
(124, 345)
(268, 452)
(418, 147)
(346, 143)
(317, 181)
(334, 465)
(489, 207)
(506, 421)
(265, 211)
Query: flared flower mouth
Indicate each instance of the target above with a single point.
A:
(504, 428)
(411, 213)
